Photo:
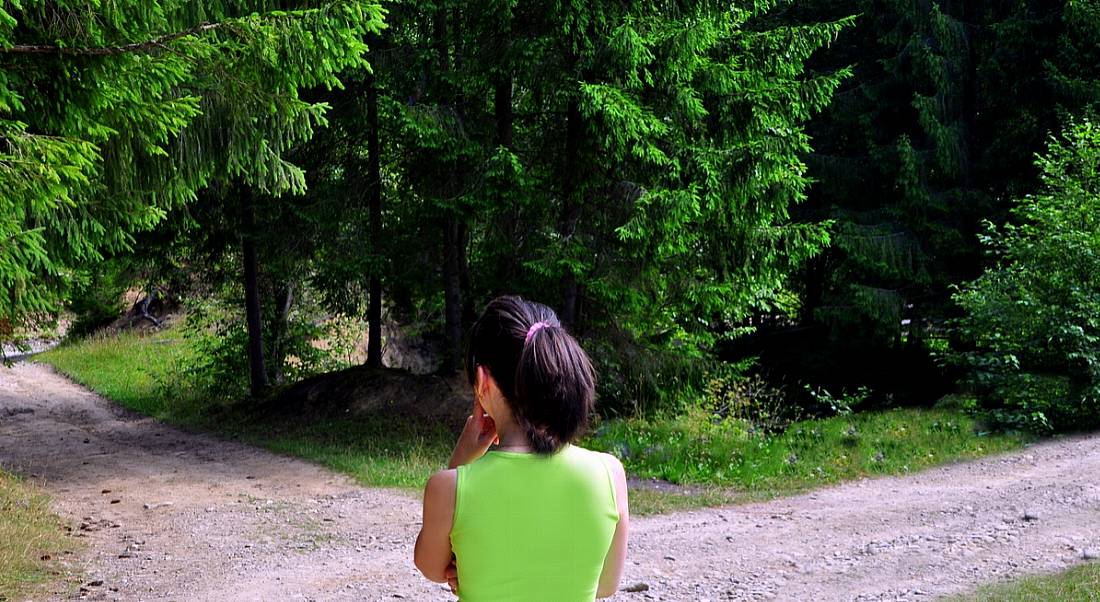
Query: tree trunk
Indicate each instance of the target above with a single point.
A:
(509, 215)
(285, 298)
(374, 186)
(817, 270)
(502, 109)
(571, 207)
(468, 312)
(257, 371)
(452, 294)
(452, 248)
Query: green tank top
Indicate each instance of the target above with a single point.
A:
(533, 528)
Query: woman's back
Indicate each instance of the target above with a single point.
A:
(533, 527)
(545, 526)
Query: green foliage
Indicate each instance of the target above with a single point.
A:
(216, 366)
(842, 405)
(98, 302)
(894, 169)
(636, 380)
(113, 114)
(712, 154)
(310, 343)
(932, 134)
(1030, 336)
(649, 153)
(751, 400)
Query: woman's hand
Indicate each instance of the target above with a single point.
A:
(452, 577)
(479, 433)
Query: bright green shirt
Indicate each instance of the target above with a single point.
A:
(533, 528)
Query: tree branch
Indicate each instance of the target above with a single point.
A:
(147, 46)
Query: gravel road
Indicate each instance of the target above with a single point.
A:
(174, 515)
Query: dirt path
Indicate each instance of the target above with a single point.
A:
(197, 518)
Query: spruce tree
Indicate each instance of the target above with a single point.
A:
(113, 114)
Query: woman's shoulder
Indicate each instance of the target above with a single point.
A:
(442, 484)
(616, 474)
(608, 460)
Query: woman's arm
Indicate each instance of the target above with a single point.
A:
(433, 554)
(433, 546)
(616, 555)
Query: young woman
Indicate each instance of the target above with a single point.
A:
(521, 513)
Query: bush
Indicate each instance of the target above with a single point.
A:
(731, 395)
(98, 301)
(637, 380)
(1030, 332)
(217, 339)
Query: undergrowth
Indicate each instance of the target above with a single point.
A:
(695, 449)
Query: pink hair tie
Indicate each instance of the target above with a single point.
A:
(533, 329)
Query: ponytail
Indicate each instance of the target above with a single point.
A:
(540, 368)
(555, 388)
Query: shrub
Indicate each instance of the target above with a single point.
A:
(732, 395)
(98, 301)
(217, 339)
(633, 379)
(838, 405)
(1030, 332)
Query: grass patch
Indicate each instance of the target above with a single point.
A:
(129, 368)
(720, 462)
(692, 449)
(141, 372)
(390, 453)
(1079, 584)
(31, 540)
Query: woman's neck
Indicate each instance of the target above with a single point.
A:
(512, 437)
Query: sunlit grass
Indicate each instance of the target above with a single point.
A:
(31, 541)
(374, 451)
(128, 368)
(692, 449)
(1079, 584)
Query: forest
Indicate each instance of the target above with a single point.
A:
(872, 201)
(811, 247)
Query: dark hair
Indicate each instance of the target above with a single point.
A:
(548, 381)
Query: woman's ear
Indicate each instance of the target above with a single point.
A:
(481, 382)
(485, 386)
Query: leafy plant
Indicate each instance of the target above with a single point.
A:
(311, 342)
(842, 405)
(1030, 334)
(109, 112)
(731, 395)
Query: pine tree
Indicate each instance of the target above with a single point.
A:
(113, 114)
(934, 133)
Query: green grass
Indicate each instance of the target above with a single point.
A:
(375, 451)
(692, 449)
(31, 541)
(141, 372)
(716, 463)
(131, 369)
(1079, 584)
